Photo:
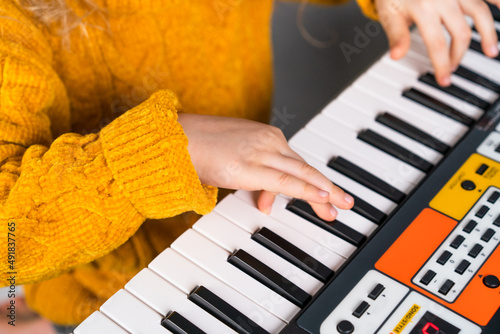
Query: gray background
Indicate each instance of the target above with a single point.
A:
(308, 76)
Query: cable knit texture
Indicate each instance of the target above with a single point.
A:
(94, 167)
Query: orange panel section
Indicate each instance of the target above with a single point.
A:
(415, 245)
(477, 301)
(412, 249)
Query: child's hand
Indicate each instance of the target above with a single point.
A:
(429, 16)
(241, 154)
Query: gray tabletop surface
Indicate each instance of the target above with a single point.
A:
(318, 51)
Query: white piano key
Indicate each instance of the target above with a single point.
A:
(416, 68)
(487, 67)
(497, 25)
(280, 213)
(98, 323)
(425, 120)
(479, 91)
(163, 297)
(401, 81)
(231, 237)
(356, 221)
(251, 219)
(475, 36)
(132, 314)
(371, 197)
(393, 97)
(213, 259)
(186, 276)
(323, 150)
(357, 121)
(327, 128)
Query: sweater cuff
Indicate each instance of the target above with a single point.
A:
(146, 150)
(368, 8)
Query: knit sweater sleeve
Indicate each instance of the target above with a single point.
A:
(67, 199)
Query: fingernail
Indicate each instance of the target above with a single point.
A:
(446, 81)
(348, 198)
(454, 69)
(333, 211)
(323, 193)
(494, 50)
(266, 210)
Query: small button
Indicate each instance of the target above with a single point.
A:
(457, 241)
(470, 226)
(491, 281)
(497, 221)
(446, 287)
(345, 327)
(482, 169)
(462, 267)
(376, 291)
(444, 258)
(429, 275)
(488, 235)
(468, 185)
(474, 252)
(361, 309)
(494, 197)
(482, 211)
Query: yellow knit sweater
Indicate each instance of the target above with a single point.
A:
(89, 143)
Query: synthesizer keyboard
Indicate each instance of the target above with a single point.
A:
(418, 253)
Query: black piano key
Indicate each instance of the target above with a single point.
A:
(226, 313)
(270, 278)
(304, 210)
(455, 91)
(498, 32)
(359, 175)
(477, 79)
(494, 11)
(177, 324)
(395, 150)
(438, 106)
(367, 210)
(292, 254)
(409, 130)
(476, 46)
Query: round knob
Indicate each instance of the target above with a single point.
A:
(468, 185)
(345, 327)
(491, 281)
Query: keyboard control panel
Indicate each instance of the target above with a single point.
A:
(463, 252)
(418, 314)
(366, 306)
